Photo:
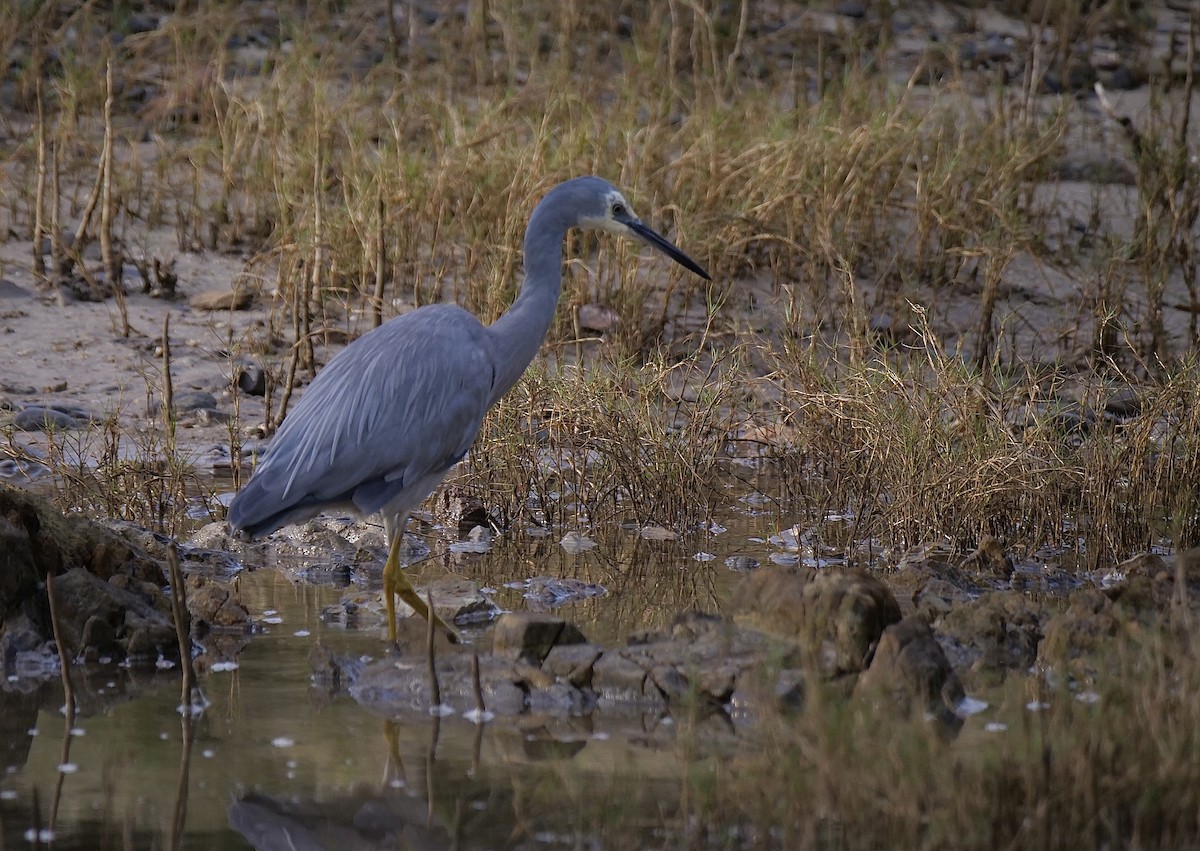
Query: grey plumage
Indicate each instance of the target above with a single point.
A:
(386, 419)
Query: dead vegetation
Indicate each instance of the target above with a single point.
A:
(832, 181)
(915, 319)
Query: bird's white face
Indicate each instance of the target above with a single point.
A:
(616, 217)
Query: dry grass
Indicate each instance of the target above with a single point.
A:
(363, 165)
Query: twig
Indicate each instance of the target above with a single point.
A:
(190, 691)
(39, 200)
(168, 391)
(64, 665)
(109, 256)
(380, 260)
(477, 687)
(435, 689)
(60, 645)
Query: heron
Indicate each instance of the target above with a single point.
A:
(386, 419)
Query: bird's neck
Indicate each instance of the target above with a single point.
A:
(518, 334)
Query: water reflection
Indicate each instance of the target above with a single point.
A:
(275, 762)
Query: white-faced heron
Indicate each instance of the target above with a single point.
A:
(386, 419)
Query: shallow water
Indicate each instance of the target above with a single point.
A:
(275, 762)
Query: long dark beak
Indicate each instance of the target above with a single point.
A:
(651, 237)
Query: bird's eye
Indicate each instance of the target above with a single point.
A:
(618, 209)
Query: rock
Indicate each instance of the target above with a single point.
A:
(989, 559)
(188, 400)
(618, 679)
(702, 661)
(18, 573)
(456, 509)
(545, 592)
(50, 418)
(142, 630)
(20, 636)
(210, 603)
(460, 601)
(400, 683)
(910, 669)
(1071, 639)
(99, 639)
(252, 380)
(573, 663)
(836, 616)
(9, 289)
(598, 317)
(56, 542)
(222, 300)
(995, 633)
(530, 637)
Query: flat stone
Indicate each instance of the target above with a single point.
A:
(222, 300)
(530, 637)
(8, 289)
(39, 418)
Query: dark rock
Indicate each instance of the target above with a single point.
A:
(252, 380)
(18, 573)
(189, 400)
(99, 639)
(8, 289)
(456, 509)
(136, 624)
(19, 636)
(910, 669)
(48, 418)
(530, 637)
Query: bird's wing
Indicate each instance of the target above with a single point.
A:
(402, 402)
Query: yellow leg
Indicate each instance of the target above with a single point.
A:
(395, 583)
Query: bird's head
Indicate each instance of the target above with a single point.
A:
(601, 206)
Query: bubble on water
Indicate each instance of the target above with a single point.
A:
(995, 727)
(302, 633)
(282, 742)
(220, 667)
(68, 768)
